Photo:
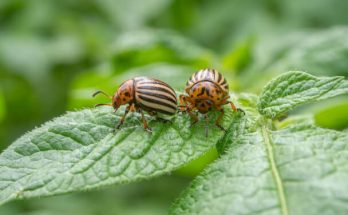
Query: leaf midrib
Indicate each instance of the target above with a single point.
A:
(275, 173)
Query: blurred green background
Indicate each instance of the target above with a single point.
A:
(55, 54)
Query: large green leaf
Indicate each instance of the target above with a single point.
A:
(295, 88)
(293, 167)
(301, 169)
(79, 151)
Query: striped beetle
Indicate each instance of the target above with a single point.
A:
(206, 89)
(143, 93)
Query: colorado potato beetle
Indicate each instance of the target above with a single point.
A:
(143, 93)
(206, 89)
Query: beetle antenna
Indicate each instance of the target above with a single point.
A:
(97, 105)
(102, 92)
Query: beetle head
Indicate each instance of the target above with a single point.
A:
(124, 94)
(203, 105)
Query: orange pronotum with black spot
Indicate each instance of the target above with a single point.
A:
(206, 89)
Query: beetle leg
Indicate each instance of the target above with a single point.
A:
(193, 116)
(146, 127)
(206, 124)
(132, 108)
(238, 109)
(183, 103)
(194, 119)
(226, 101)
(241, 110)
(217, 122)
(234, 108)
(188, 108)
(123, 117)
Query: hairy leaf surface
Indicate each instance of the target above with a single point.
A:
(291, 89)
(298, 170)
(79, 151)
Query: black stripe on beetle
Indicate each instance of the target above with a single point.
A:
(157, 101)
(219, 77)
(143, 93)
(154, 82)
(162, 96)
(149, 87)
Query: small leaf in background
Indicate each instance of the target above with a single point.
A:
(316, 52)
(236, 61)
(335, 116)
(295, 88)
(119, 11)
(139, 48)
(330, 113)
(79, 151)
(2, 107)
(35, 59)
(239, 58)
(193, 168)
(142, 198)
(22, 107)
(85, 84)
(175, 75)
(267, 172)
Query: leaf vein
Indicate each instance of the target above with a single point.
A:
(275, 173)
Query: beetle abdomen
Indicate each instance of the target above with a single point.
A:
(211, 75)
(155, 96)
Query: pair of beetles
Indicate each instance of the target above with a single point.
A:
(206, 89)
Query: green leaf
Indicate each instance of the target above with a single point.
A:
(106, 201)
(138, 48)
(2, 106)
(118, 11)
(301, 169)
(335, 116)
(238, 59)
(320, 53)
(292, 89)
(79, 151)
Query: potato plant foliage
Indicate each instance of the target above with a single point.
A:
(263, 167)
